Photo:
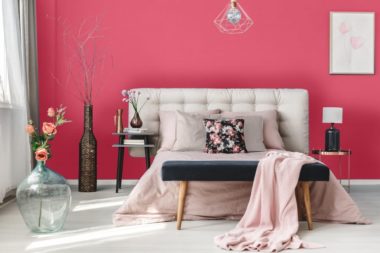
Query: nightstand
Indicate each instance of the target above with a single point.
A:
(341, 153)
(121, 146)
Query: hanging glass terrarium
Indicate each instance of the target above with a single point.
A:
(233, 19)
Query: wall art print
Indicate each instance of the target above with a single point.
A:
(352, 43)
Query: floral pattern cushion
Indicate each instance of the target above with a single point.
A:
(224, 136)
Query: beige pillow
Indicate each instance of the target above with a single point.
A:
(168, 127)
(272, 137)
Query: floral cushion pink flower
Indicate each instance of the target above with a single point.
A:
(224, 136)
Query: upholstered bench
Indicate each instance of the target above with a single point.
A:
(185, 171)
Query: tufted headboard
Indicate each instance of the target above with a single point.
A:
(292, 106)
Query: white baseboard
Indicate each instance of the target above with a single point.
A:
(10, 197)
(134, 181)
(107, 182)
(363, 181)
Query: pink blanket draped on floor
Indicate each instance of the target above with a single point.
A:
(270, 221)
(153, 200)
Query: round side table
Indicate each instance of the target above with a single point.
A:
(344, 152)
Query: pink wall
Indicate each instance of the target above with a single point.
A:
(173, 43)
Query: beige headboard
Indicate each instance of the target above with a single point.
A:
(292, 106)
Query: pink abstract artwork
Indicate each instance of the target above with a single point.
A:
(352, 43)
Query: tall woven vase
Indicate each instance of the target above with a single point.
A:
(87, 155)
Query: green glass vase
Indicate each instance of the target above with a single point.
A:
(44, 200)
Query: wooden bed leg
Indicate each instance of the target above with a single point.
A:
(181, 202)
(298, 193)
(306, 197)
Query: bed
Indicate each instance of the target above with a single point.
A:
(153, 200)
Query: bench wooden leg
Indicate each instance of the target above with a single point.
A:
(181, 202)
(298, 193)
(304, 187)
(306, 197)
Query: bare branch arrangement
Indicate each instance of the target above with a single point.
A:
(84, 62)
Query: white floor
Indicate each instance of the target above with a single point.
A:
(89, 229)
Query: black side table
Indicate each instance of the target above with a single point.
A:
(120, 155)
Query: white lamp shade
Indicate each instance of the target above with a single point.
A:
(332, 115)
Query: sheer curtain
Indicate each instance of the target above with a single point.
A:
(15, 93)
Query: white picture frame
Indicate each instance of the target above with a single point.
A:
(352, 43)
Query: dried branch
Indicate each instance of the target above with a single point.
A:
(84, 64)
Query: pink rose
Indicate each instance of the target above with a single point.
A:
(51, 112)
(217, 140)
(213, 136)
(236, 149)
(41, 154)
(29, 129)
(49, 128)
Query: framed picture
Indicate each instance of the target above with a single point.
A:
(352, 43)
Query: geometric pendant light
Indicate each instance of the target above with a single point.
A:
(233, 19)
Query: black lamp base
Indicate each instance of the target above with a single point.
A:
(332, 136)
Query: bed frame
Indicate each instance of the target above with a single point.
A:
(292, 106)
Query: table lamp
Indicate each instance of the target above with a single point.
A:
(332, 115)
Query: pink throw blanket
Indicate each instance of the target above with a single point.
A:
(153, 200)
(271, 219)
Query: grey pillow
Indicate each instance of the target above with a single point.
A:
(168, 127)
(254, 133)
(272, 137)
(190, 132)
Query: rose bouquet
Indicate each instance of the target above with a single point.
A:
(40, 140)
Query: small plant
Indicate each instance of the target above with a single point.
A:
(132, 97)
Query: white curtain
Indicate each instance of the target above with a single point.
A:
(15, 159)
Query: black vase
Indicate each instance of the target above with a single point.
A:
(87, 155)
